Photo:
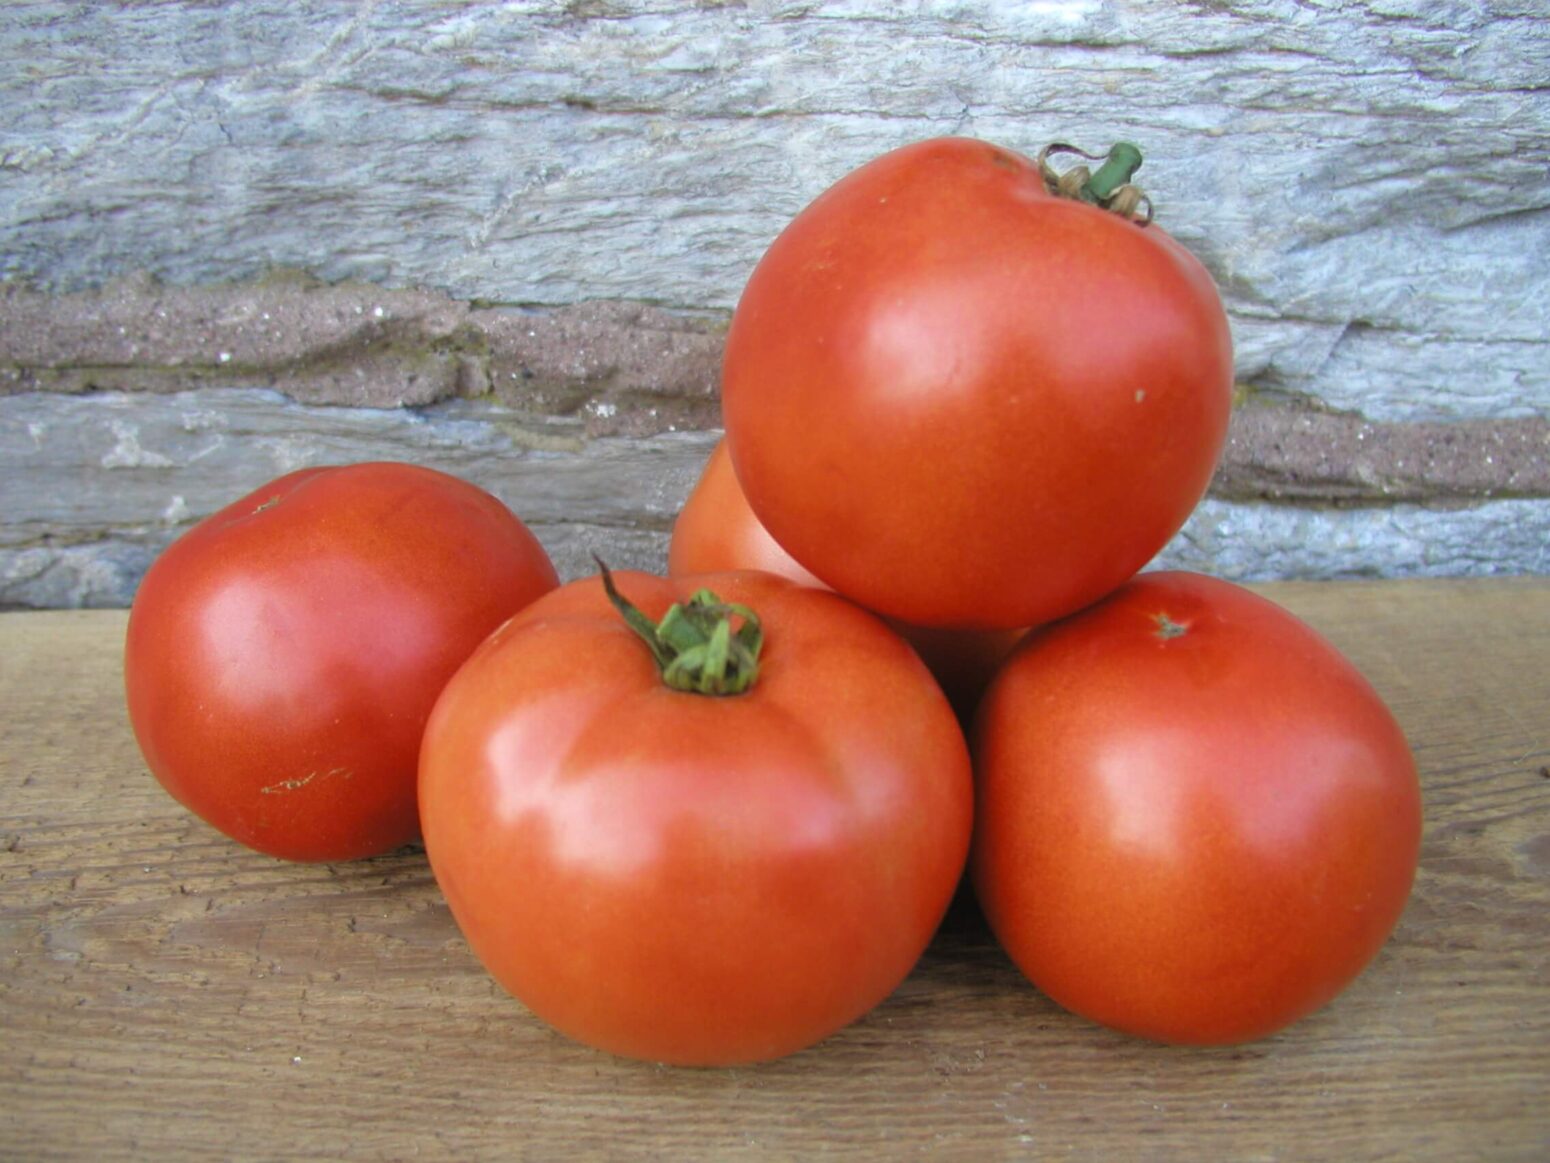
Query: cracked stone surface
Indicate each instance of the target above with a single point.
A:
(1366, 182)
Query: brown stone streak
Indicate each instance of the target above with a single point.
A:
(624, 368)
(1285, 454)
(627, 368)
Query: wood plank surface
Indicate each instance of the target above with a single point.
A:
(166, 994)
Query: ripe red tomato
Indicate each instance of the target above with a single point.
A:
(717, 531)
(283, 655)
(1197, 822)
(691, 878)
(964, 401)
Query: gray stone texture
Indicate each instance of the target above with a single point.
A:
(1264, 542)
(97, 484)
(1366, 181)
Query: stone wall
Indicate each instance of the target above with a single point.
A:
(504, 240)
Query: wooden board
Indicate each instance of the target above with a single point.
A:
(165, 994)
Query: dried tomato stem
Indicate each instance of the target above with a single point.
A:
(1108, 187)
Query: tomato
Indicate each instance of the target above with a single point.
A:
(1197, 822)
(962, 400)
(283, 655)
(717, 530)
(691, 878)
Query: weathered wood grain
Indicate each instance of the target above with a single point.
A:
(166, 994)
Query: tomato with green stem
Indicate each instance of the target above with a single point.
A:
(716, 530)
(717, 845)
(968, 392)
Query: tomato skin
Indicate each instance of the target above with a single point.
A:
(716, 531)
(690, 879)
(962, 401)
(1200, 838)
(282, 656)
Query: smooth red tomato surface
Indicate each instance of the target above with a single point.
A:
(962, 401)
(717, 530)
(1196, 821)
(686, 878)
(283, 655)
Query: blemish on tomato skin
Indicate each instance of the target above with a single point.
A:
(1168, 628)
(289, 785)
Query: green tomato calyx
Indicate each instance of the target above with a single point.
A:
(695, 645)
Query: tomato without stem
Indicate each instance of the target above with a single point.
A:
(1196, 821)
(689, 878)
(964, 401)
(717, 531)
(283, 655)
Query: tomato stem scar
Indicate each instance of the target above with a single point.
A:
(1168, 628)
(694, 645)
